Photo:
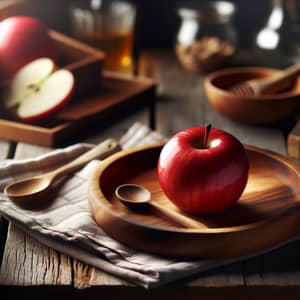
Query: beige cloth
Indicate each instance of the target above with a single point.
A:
(67, 225)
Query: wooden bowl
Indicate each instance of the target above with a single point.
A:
(267, 214)
(250, 109)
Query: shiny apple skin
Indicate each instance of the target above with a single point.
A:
(23, 39)
(203, 181)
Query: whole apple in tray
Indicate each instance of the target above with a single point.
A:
(23, 39)
(38, 90)
(203, 170)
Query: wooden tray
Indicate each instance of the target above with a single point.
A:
(267, 214)
(84, 61)
(113, 97)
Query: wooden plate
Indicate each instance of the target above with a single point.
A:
(267, 214)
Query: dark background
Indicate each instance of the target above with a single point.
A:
(157, 21)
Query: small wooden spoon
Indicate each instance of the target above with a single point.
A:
(28, 190)
(135, 195)
(268, 85)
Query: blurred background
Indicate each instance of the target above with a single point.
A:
(157, 24)
(157, 21)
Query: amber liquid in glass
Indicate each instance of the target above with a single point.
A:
(117, 46)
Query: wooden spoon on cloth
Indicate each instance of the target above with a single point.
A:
(28, 191)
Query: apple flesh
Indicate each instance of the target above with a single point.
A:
(49, 97)
(27, 79)
(203, 177)
(38, 90)
(22, 40)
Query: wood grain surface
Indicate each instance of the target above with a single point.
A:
(6, 150)
(293, 142)
(266, 214)
(181, 104)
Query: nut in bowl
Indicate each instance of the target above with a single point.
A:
(262, 109)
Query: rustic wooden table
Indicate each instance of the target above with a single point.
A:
(30, 268)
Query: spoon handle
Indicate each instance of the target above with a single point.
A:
(100, 151)
(278, 82)
(178, 218)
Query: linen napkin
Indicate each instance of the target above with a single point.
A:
(66, 225)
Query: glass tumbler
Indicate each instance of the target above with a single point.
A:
(107, 25)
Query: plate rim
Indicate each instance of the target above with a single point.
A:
(194, 243)
(277, 156)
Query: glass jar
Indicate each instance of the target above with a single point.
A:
(278, 42)
(206, 39)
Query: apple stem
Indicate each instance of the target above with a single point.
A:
(206, 134)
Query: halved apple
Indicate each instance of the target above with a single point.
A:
(38, 90)
(27, 79)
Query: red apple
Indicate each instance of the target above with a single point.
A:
(38, 90)
(203, 171)
(22, 39)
